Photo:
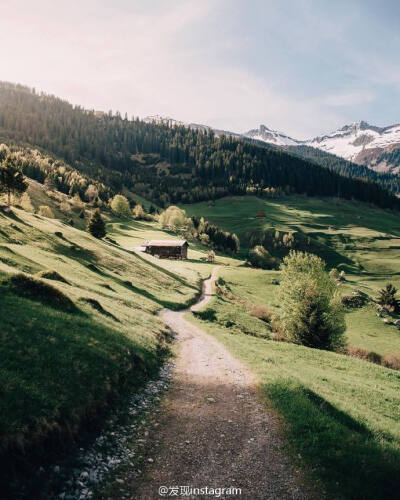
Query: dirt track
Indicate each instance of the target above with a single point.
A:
(212, 430)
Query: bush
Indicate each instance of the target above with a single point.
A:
(174, 219)
(46, 211)
(26, 203)
(311, 313)
(35, 289)
(138, 212)
(120, 206)
(210, 256)
(207, 315)
(391, 360)
(261, 312)
(360, 353)
(261, 258)
(357, 299)
(65, 207)
(334, 274)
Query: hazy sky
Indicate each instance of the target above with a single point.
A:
(301, 66)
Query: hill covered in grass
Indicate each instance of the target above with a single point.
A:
(163, 163)
(78, 325)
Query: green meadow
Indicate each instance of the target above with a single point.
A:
(341, 415)
(78, 325)
(358, 238)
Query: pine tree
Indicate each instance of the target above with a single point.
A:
(12, 181)
(387, 298)
(96, 225)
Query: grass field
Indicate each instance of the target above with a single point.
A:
(359, 238)
(67, 358)
(59, 364)
(341, 415)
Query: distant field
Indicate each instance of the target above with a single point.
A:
(359, 238)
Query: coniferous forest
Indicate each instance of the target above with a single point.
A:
(163, 163)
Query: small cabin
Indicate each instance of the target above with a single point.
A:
(167, 249)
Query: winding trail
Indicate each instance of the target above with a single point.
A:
(211, 429)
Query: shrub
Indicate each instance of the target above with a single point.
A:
(204, 239)
(174, 219)
(261, 312)
(35, 289)
(210, 256)
(138, 212)
(26, 203)
(207, 315)
(260, 257)
(46, 211)
(120, 206)
(334, 274)
(360, 353)
(65, 207)
(357, 299)
(391, 360)
(77, 204)
(311, 313)
(96, 225)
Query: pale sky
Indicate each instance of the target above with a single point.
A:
(304, 67)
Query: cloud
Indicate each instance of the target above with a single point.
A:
(201, 61)
(348, 98)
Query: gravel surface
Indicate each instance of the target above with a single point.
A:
(212, 431)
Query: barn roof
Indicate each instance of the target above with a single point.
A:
(165, 243)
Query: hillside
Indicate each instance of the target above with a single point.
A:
(78, 327)
(162, 163)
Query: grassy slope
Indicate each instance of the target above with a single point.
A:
(359, 238)
(58, 366)
(341, 414)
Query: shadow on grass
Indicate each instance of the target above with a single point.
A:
(346, 456)
(174, 306)
(75, 251)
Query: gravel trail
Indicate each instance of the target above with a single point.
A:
(212, 431)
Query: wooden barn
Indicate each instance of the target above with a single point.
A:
(167, 249)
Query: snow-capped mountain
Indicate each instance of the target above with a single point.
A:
(361, 143)
(375, 147)
(263, 133)
(358, 142)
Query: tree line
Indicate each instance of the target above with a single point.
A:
(167, 164)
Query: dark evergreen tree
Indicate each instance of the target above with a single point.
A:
(387, 298)
(96, 225)
(12, 180)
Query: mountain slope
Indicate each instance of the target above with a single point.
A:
(163, 163)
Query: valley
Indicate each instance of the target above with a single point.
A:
(112, 357)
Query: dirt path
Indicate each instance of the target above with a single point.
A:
(212, 431)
